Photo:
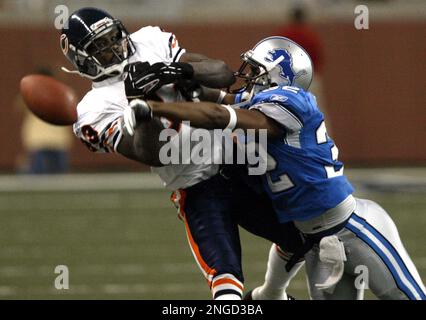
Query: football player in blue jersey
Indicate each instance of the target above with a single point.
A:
(344, 237)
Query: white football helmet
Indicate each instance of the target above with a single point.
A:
(275, 61)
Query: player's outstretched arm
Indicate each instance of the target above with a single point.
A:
(216, 95)
(210, 115)
(209, 72)
(144, 146)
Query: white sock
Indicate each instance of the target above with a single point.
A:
(226, 287)
(229, 296)
(277, 278)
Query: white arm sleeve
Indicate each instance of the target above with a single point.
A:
(156, 44)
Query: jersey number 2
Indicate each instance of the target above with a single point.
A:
(284, 182)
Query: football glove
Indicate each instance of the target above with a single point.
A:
(136, 112)
(189, 89)
(143, 79)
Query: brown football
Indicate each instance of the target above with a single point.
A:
(49, 99)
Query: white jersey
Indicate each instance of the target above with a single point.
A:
(99, 124)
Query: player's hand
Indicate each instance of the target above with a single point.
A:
(173, 72)
(190, 89)
(138, 111)
(137, 72)
(143, 79)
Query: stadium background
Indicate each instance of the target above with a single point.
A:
(117, 231)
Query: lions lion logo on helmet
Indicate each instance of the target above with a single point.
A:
(286, 65)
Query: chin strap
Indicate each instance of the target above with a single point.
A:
(264, 78)
(104, 72)
(80, 73)
(71, 71)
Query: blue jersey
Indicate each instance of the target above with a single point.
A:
(304, 177)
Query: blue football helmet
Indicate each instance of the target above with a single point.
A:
(275, 61)
(98, 45)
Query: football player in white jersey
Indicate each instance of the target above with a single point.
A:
(348, 242)
(150, 63)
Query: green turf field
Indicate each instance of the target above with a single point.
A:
(130, 245)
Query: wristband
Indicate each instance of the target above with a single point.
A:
(232, 118)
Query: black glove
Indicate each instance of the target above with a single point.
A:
(189, 89)
(135, 71)
(143, 79)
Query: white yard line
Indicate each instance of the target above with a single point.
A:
(148, 181)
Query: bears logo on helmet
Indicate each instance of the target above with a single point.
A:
(64, 43)
(79, 41)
